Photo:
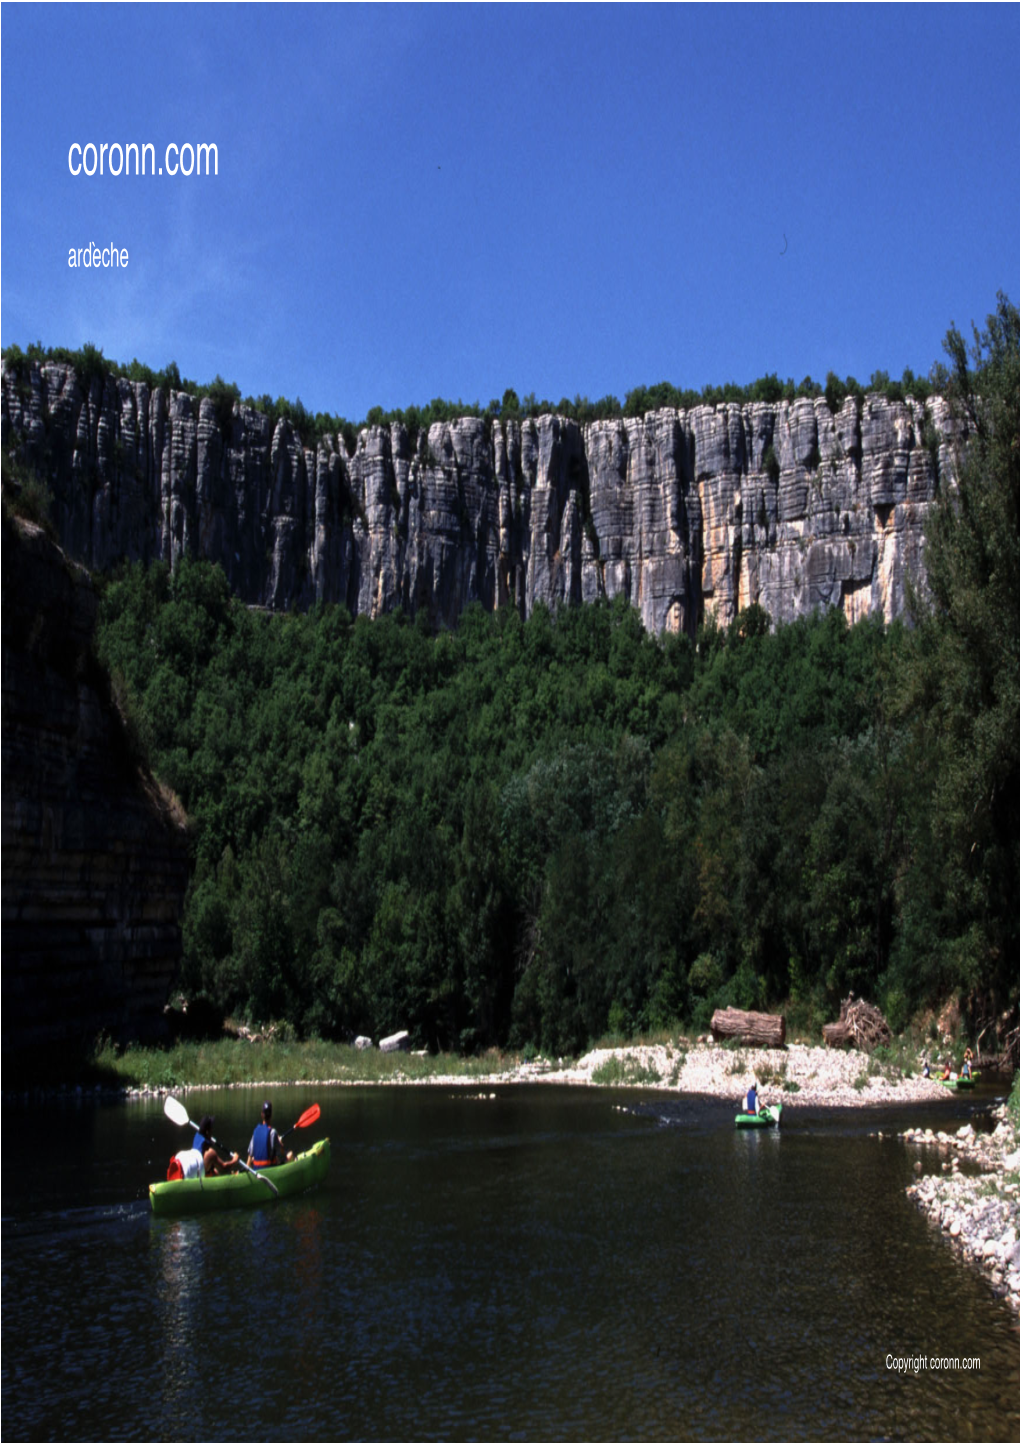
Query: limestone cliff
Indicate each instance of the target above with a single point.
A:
(94, 862)
(682, 512)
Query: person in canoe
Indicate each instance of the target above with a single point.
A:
(946, 1073)
(751, 1100)
(205, 1143)
(189, 1162)
(265, 1148)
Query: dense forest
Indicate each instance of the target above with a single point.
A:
(537, 832)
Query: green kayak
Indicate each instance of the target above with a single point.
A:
(240, 1189)
(765, 1117)
(961, 1084)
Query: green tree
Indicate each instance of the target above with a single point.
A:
(964, 674)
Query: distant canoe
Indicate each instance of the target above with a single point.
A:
(767, 1116)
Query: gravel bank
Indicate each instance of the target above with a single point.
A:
(797, 1073)
(978, 1210)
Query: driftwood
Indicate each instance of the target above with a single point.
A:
(759, 1028)
(837, 1034)
(1006, 1061)
(860, 1024)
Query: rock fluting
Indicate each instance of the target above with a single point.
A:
(684, 513)
(94, 858)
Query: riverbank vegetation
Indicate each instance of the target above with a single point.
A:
(234, 1061)
(533, 833)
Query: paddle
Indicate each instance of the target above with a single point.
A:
(178, 1113)
(310, 1115)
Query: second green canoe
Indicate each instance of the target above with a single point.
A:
(765, 1117)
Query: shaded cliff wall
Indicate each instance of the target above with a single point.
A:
(94, 862)
(682, 512)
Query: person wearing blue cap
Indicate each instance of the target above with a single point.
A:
(265, 1148)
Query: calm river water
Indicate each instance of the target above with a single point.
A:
(538, 1264)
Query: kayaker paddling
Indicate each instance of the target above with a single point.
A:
(265, 1148)
(206, 1144)
(751, 1100)
(202, 1158)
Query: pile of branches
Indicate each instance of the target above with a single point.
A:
(860, 1024)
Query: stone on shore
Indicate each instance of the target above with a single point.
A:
(977, 1210)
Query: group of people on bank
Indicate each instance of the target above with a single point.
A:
(204, 1158)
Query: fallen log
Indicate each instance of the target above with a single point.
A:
(759, 1028)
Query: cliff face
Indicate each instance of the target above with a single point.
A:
(682, 512)
(94, 863)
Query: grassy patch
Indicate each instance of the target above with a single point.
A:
(898, 1059)
(625, 1072)
(772, 1076)
(235, 1060)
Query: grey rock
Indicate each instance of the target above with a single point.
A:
(683, 513)
(95, 854)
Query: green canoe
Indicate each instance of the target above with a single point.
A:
(961, 1084)
(240, 1189)
(766, 1117)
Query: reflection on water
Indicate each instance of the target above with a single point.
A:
(545, 1264)
(179, 1263)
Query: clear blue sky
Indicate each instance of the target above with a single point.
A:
(431, 201)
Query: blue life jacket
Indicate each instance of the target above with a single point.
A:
(263, 1145)
(201, 1143)
(751, 1103)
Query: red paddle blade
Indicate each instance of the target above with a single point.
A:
(310, 1115)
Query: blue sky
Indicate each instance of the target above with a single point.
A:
(445, 201)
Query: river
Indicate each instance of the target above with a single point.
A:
(532, 1263)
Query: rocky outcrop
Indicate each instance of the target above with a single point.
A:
(94, 858)
(683, 512)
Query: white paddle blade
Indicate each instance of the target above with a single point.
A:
(176, 1111)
